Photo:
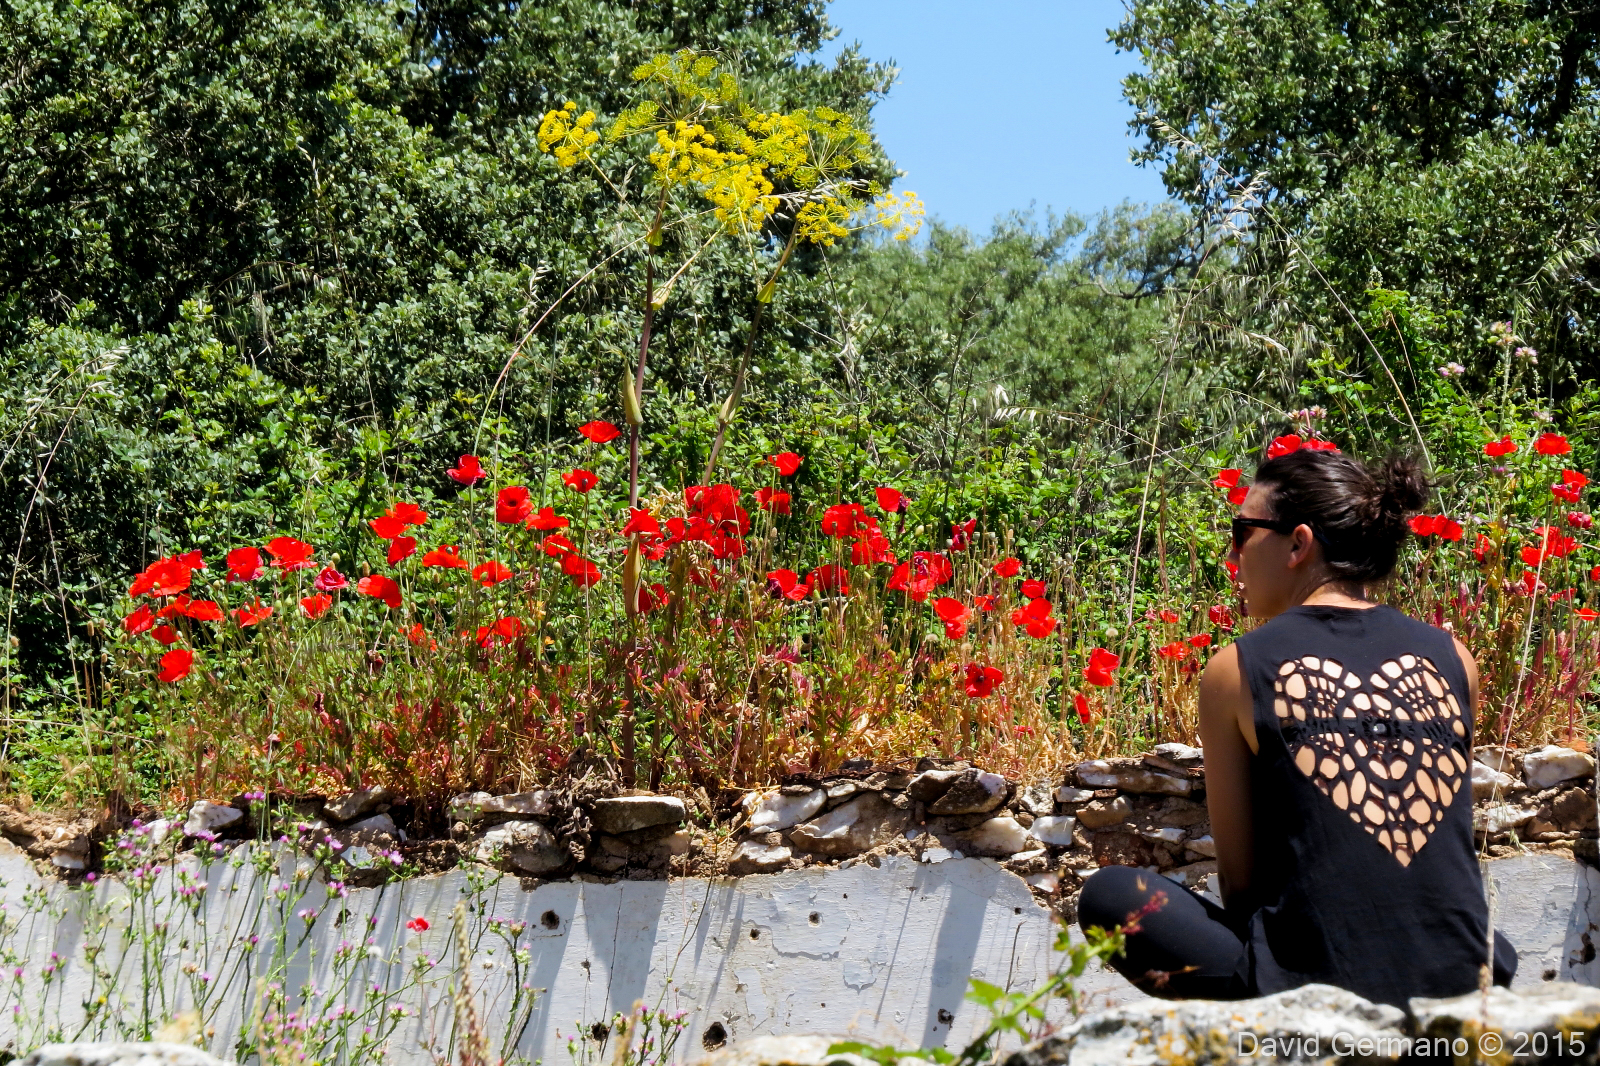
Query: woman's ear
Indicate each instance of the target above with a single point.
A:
(1302, 545)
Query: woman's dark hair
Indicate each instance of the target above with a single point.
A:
(1358, 511)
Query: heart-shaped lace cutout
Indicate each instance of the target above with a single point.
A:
(1386, 751)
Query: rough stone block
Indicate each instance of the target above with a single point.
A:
(996, 838)
(1573, 810)
(1487, 782)
(523, 845)
(1122, 849)
(208, 817)
(974, 792)
(536, 804)
(624, 814)
(351, 805)
(775, 811)
(753, 858)
(1053, 829)
(929, 785)
(1552, 764)
(1102, 813)
(857, 826)
(1183, 754)
(1108, 773)
(1500, 818)
(90, 1053)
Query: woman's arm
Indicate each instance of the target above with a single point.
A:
(1224, 706)
(1470, 665)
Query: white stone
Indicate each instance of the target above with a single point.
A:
(1551, 765)
(534, 804)
(1487, 782)
(1045, 882)
(1500, 818)
(160, 828)
(1179, 753)
(525, 845)
(1072, 794)
(1550, 1008)
(1003, 836)
(208, 817)
(852, 827)
(1202, 846)
(113, 1054)
(1024, 856)
(775, 811)
(1170, 835)
(1054, 829)
(67, 860)
(753, 858)
(1100, 773)
(937, 854)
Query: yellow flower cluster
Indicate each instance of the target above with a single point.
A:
(568, 135)
(823, 222)
(900, 213)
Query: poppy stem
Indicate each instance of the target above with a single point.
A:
(638, 378)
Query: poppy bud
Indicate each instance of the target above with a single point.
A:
(630, 399)
(631, 566)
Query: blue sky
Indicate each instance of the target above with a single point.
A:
(1002, 104)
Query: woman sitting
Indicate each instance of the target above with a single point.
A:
(1338, 750)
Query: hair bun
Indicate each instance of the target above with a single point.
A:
(1402, 488)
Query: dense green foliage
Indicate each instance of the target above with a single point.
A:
(1443, 150)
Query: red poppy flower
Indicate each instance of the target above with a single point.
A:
(961, 534)
(1033, 588)
(401, 548)
(579, 480)
(890, 500)
(290, 554)
(251, 614)
(1497, 449)
(511, 504)
(314, 606)
(503, 631)
(1101, 664)
(1169, 616)
(409, 513)
(1484, 548)
(192, 559)
(1080, 703)
(555, 546)
(418, 924)
(201, 610)
(580, 571)
(1008, 567)
(330, 580)
(139, 621)
(843, 520)
(981, 680)
(1587, 614)
(244, 564)
(1449, 529)
(1594, 575)
(380, 587)
(871, 545)
(1237, 494)
(1579, 520)
(779, 582)
(786, 462)
(653, 546)
(986, 603)
(1571, 486)
(175, 665)
(416, 634)
(447, 556)
(1201, 640)
(1221, 616)
(387, 526)
(950, 610)
(1232, 567)
(490, 573)
(1228, 478)
(1315, 445)
(1035, 618)
(1284, 446)
(640, 521)
(772, 500)
(830, 578)
(1531, 583)
(1176, 650)
(599, 432)
(467, 471)
(1551, 444)
(650, 597)
(164, 577)
(1424, 525)
(546, 520)
(164, 635)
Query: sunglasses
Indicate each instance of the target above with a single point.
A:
(1243, 526)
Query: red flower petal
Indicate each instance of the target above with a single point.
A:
(314, 606)
(381, 587)
(599, 432)
(290, 554)
(490, 573)
(512, 504)
(786, 462)
(579, 480)
(950, 610)
(1283, 446)
(467, 471)
(890, 500)
(176, 664)
(1008, 567)
(1552, 444)
(244, 564)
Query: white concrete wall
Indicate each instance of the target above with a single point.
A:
(884, 953)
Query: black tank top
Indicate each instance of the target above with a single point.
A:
(1364, 874)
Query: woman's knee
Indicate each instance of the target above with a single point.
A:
(1111, 894)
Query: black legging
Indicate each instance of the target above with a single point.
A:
(1188, 947)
